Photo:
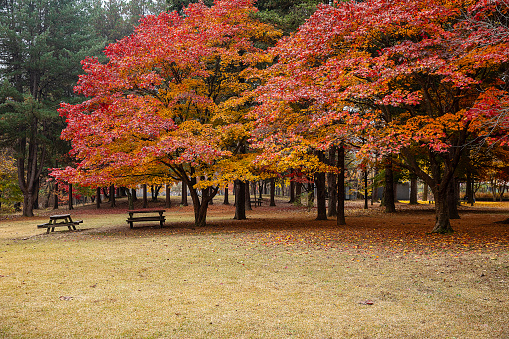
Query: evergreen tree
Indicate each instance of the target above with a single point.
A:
(41, 45)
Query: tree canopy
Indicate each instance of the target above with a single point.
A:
(168, 102)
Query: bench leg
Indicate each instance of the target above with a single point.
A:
(47, 230)
(131, 224)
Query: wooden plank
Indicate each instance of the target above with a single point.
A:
(146, 211)
(135, 219)
(59, 216)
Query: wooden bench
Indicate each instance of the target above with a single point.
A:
(256, 202)
(60, 220)
(159, 217)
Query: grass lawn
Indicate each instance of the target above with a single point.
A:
(279, 274)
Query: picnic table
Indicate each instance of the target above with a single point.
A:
(256, 202)
(60, 220)
(156, 215)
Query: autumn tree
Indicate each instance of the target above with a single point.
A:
(167, 103)
(419, 79)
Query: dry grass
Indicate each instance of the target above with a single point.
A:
(268, 277)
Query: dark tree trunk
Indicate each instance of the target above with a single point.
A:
(470, 189)
(321, 202)
(272, 192)
(145, 200)
(70, 197)
(36, 193)
(341, 186)
(389, 197)
(98, 197)
(311, 195)
(332, 185)
(248, 197)
(374, 194)
(168, 196)
(200, 208)
(442, 222)
(225, 201)
(184, 194)
(112, 196)
(130, 200)
(211, 202)
(55, 197)
(425, 192)
(452, 202)
(366, 189)
(200, 214)
(240, 200)
(27, 177)
(133, 193)
(333, 195)
(413, 189)
(292, 192)
(298, 193)
(260, 188)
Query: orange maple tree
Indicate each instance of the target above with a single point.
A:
(167, 104)
(418, 80)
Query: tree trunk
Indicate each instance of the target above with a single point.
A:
(366, 189)
(200, 207)
(130, 200)
(70, 197)
(374, 194)
(452, 202)
(98, 197)
(27, 176)
(112, 196)
(298, 193)
(168, 196)
(200, 214)
(341, 186)
(425, 192)
(145, 200)
(240, 200)
(36, 193)
(272, 192)
(184, 194)
(292, 192)
(442, 222)
(389, 198)
(311, 195)
(321, 202)
(55, 196)
(28, 205)
(332, 185)
(211, 202)
(225, 201)
(413, 189)
(248, 197)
